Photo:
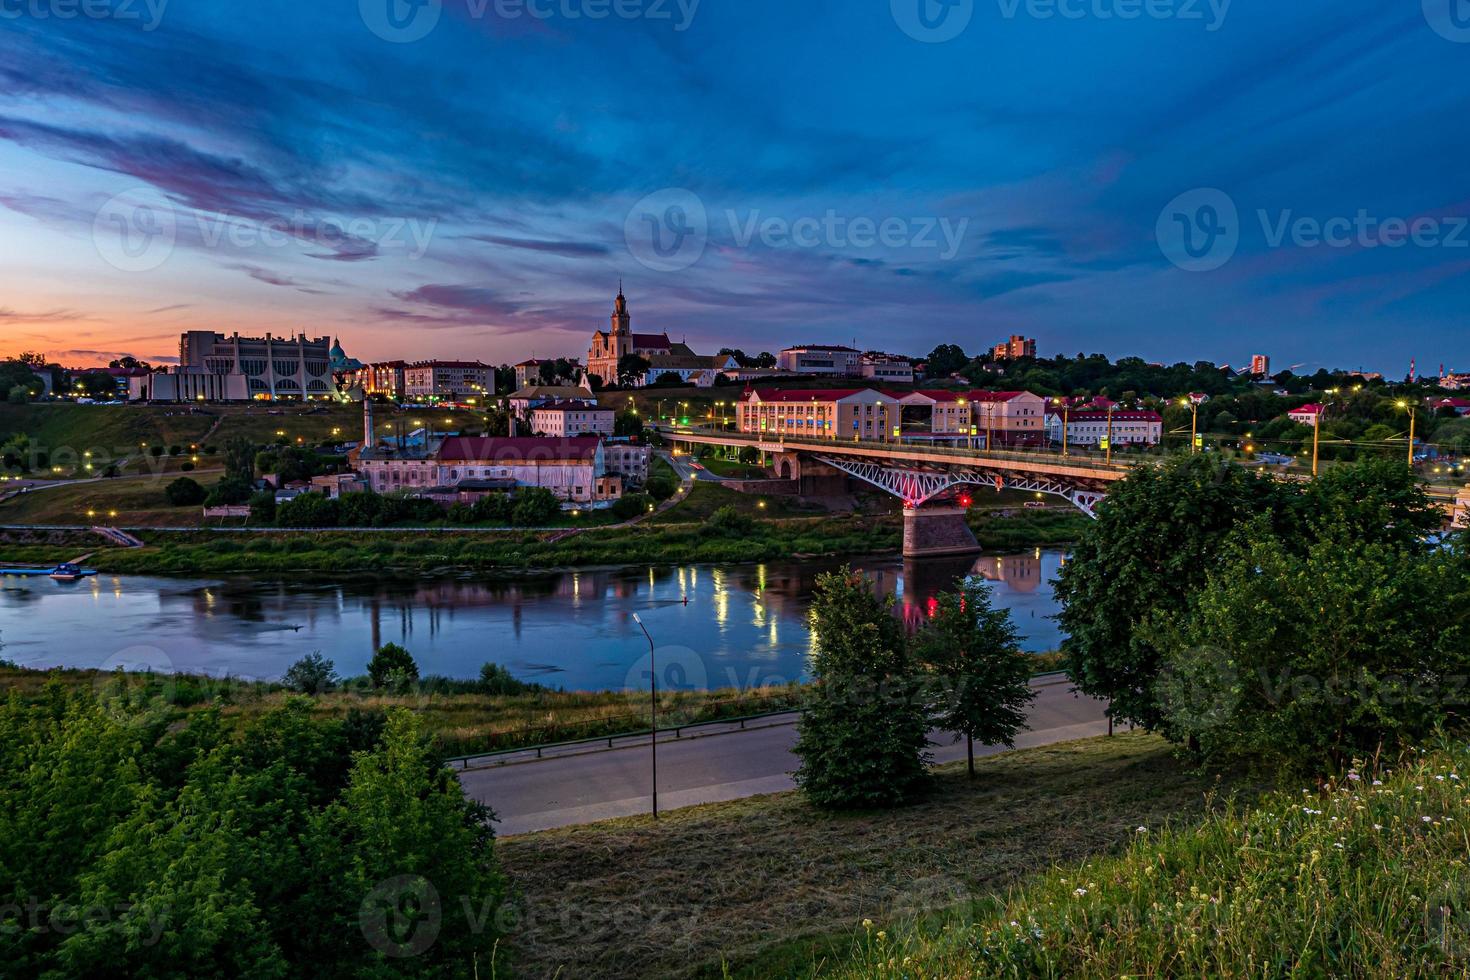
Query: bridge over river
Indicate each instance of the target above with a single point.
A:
(929, 479)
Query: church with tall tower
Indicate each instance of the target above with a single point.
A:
(611, 346)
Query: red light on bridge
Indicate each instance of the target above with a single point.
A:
(966, 501)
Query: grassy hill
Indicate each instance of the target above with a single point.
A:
(1363, 877)
(770, 886)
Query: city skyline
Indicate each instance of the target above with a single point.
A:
(328, 171)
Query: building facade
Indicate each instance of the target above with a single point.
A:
(188, 386)
(1092, 428)
(1015, 348)
(628, 461)
(838, 414)
(562, 419)
(452, 381)
(1306, 415)
(611, 346)
(521, 403)
(569, 468)
(1260, 365)
(888, 370)
(273, 367)
(821, 361)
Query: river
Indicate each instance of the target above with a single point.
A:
(713, 626)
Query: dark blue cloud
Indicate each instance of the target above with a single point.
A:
(477, 181)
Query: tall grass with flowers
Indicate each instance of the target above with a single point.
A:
(1363, 876)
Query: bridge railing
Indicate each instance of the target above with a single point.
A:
(1089, 458)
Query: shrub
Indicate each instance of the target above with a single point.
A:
(308, 510)
(729, 522)
(229, 491)
(263, 507)
(496, 681)
(185, 492)
(186, 468)
(535, 507)
(313, 674)
(661, 486)
(392, 666)
(630, 505)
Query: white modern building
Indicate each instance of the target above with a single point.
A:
(820, 361)
(1091, 428)
(178, 385)
(272, 367)
(562, 419)
(889, 370)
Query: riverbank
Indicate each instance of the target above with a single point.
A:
(666, 542)
(461, 718)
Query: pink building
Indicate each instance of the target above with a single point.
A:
(569, 468)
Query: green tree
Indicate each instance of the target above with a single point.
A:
(945, 360)
(392, 666)
(631, 367)
(974, 650)
(862, 736)
(313, 674)
(1151, 549)
(628, 425)
(229, 492)
(240, 459)
(535, 507)
(729, 523)
(1296, 661)
(185, 492)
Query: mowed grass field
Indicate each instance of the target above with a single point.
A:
(66, 431)
(769, 886)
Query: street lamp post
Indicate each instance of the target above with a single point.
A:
(1110, 434)
(653, 708)
(1413, 417)
(1066, 423)
(1317, 433)
(1193, 407)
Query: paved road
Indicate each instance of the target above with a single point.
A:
(591, 786)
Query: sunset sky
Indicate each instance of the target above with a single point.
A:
(479, 191)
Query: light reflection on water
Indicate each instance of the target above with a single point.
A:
(743, 624)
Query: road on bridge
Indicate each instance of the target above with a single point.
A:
(529, 795)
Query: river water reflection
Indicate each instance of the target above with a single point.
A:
(718, 626)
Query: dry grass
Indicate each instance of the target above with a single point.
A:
(770, 886)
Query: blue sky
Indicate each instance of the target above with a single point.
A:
(817, 171)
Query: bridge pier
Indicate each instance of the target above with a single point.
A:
(930, 532)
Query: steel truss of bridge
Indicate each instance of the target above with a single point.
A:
(917, 487)
(918, 474)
